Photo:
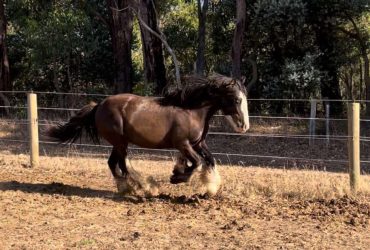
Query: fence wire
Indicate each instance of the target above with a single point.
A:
(329, 137)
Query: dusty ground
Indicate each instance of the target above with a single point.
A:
(71, 203)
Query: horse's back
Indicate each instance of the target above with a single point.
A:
(136, 119)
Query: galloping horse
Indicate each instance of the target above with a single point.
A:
(179, 120)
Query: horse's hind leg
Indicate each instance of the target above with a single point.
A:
(122, 181)
(117, 157)
(113, 161)
(132, 182)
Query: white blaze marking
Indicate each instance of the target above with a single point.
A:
(244, 109)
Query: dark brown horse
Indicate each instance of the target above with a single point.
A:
(179, 120)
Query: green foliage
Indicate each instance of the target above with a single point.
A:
(300, 79)
(144, 89)
(220, 34)
(62, 48)
(179, 20)
(300, 46)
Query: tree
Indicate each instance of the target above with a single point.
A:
(180, 30)
(361, 37)
(202, 14)
(120, 27)
(4, 62)
(236, 52)
(58, 46)
(154, 68)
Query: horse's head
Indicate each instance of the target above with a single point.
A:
(234, 105)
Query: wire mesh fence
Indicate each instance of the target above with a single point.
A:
(276, 139)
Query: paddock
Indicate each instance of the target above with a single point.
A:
(284, 185)
(71, 202)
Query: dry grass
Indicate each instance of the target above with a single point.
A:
(71, 202)
(247, 182)
(291, 184)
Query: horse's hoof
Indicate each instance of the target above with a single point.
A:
(175, 180)
(177, 172)
(179, 178)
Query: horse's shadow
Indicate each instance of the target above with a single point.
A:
(86, 192)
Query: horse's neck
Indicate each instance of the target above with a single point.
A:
(204, 115)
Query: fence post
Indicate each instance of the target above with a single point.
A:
(354, 145)
(312, 127)
(33, 129)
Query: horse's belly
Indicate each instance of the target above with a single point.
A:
(149, 139)
(149, 130)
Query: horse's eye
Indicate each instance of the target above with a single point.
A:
(238, 101)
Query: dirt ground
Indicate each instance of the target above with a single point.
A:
(70, 202)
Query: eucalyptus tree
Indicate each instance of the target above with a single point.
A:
(236, 50)
(4, 62)
(121, 20)
(154, 68)
(202, 19)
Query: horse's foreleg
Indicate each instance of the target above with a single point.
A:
(210, 176)
(190, 154)
(180, 165)
(203, 151)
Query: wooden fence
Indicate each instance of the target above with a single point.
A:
(353, 135)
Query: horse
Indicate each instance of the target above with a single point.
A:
(178, 120)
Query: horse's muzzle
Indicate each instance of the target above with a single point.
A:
(242, 129)
(237, 124)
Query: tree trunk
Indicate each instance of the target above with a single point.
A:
(121, 23)
(4, 64)
(329, 87)
(236, 51)
(363, 49)
(366, 80)
(155, 71)
(202, 16)
(361, 87)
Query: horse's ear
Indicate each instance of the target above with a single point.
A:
(243, 79)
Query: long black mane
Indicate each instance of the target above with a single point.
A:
(196, 91)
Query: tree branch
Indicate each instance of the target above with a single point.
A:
(95, 13)
(101, 18)
(161, 37)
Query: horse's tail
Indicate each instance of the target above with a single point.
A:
(84, 120)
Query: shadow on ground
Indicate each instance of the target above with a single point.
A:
(86, 192)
